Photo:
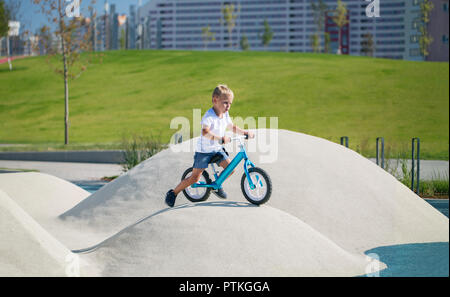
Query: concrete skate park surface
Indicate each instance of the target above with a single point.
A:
(328, 207)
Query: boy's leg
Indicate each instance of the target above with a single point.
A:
(195, 177)
(224, 164)
(220, 192)
(172, 194)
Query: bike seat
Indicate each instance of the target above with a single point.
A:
(216, 158)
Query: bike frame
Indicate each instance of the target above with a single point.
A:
(242, 155)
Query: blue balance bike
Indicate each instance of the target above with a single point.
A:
(255, 182)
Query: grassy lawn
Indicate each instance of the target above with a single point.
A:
(142, 91)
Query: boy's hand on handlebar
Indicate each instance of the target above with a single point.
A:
(226, 139)
(250, 135)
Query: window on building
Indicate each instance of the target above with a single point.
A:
(414, 52)
(445, 39)
(445, 7)
(414, 38)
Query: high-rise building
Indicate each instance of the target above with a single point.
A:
(438, 29)
(114, 27)
(131, 28)
(177, 24)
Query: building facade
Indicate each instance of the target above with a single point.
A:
(438, 29)
(177, 24)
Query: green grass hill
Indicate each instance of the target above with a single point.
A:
(140, 92)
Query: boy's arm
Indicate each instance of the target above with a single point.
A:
(206, 132)
(238, 130)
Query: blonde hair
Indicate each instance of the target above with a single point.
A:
(222, 90)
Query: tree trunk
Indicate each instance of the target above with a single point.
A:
(66, 95)
(7, 53)
(339, 42)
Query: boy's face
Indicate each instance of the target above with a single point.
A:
(223, 104)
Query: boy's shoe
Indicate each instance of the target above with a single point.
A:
(170, 198)
(220, 193)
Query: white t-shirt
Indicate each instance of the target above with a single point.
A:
(216, 125)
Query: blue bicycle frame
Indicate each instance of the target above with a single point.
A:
(242, 155)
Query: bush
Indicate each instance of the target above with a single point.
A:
(139, 148)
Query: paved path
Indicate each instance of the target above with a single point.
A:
(428, 168)
(5, 59)
(67, 171)
(95, 171)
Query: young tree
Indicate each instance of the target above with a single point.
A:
(319, 10)
(267, 34)
(327, 42)
(73, 35)
(122, 39)
(207, 36)
(367, 45)
(425, 39)
(315, 43)
(245, 46)
(11, 12)
(340, 19)
(3, 20)
(229, 18)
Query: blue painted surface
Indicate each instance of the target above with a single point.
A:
(414, 260)
(91, 186)
(439, 204)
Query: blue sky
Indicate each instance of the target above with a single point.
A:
(32, 19)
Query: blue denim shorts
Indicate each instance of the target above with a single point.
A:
(201, 160)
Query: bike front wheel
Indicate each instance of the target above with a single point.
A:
(200, 193)
(261, 193)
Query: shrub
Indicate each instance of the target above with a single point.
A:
(138, 148)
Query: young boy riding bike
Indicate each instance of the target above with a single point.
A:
(214, 124)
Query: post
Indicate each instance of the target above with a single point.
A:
(8, 52)
(382, 152)
(418, 164)
(346, 141)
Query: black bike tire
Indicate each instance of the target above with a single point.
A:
(268, 182)
(208, 190)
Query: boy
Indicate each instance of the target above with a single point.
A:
(214, 124)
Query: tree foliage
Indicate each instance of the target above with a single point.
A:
(229, 18)
(3, 19)
(425, 39)
(267, 34)
(340, 19)
(319, 10)
(245, 46)
(367, 45)
(207, 36)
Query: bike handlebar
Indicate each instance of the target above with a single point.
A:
(239, 137)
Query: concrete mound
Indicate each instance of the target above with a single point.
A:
(223, 238)
(328, 206)
(335, 190)
(26, 249)
(41, 195)
(44, 197)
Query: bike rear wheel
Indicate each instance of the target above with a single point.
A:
(196, 194)
(261, 180)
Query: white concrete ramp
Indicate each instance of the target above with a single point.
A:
(27, 249)
(328, 206)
